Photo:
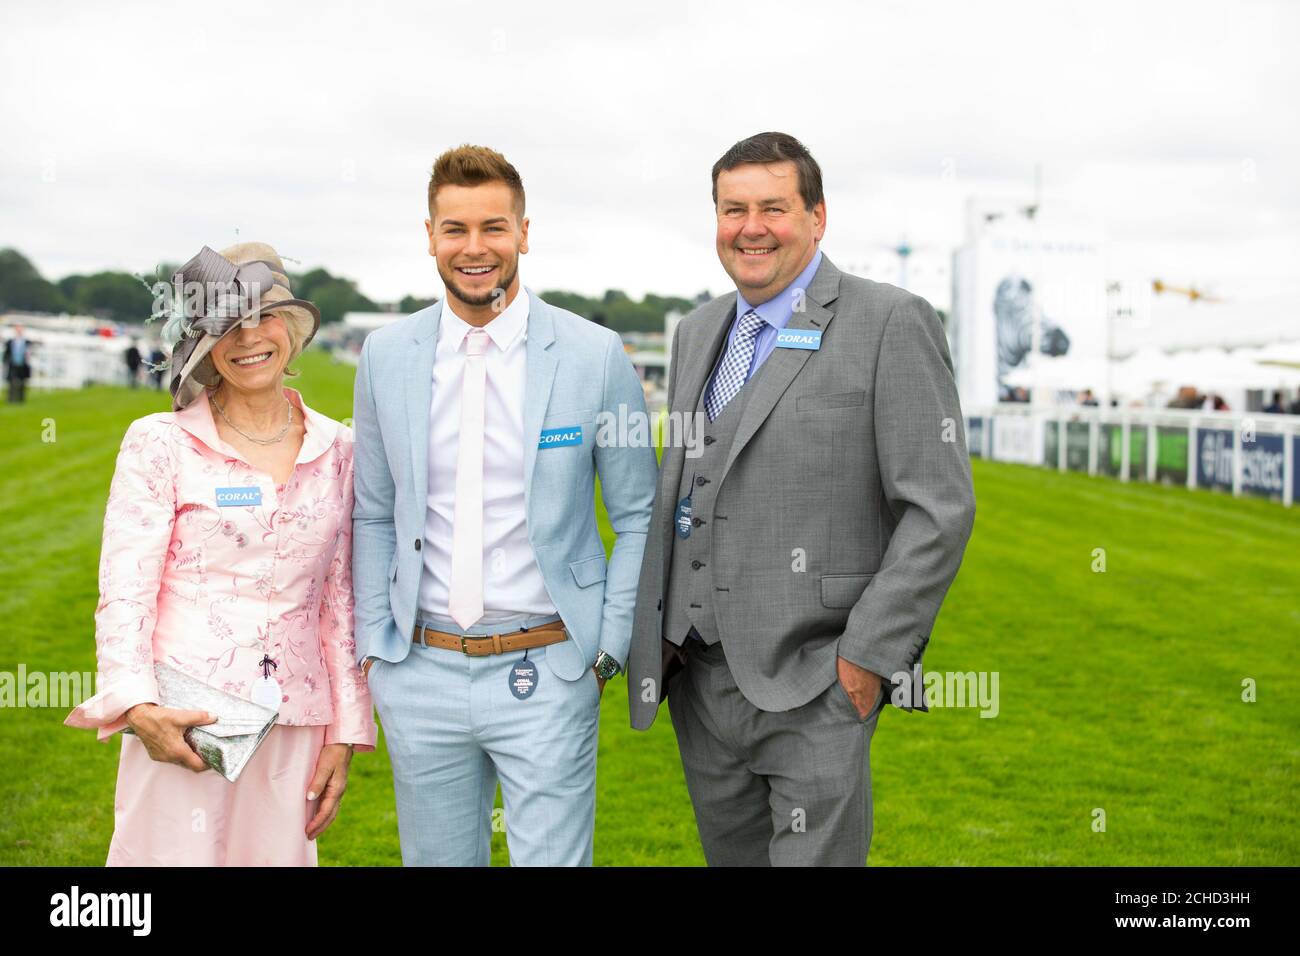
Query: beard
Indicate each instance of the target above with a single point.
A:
(485, 298)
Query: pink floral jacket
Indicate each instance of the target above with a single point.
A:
(208, 565)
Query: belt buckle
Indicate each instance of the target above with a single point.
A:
(464, 648)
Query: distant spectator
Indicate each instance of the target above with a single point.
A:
(18, 368)
(1277, 406)
(1187, 397)
(1087, 398)
(1220, 405)
(1295, 406)
(156, 359)
(132, 365)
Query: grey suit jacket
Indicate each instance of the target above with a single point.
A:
(847, 493)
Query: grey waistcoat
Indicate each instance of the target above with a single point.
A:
(689, 600)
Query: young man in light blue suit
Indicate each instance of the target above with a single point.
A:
(487, 617)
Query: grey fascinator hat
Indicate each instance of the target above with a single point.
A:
(216, 292)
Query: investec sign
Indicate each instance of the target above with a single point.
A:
(1261, 461)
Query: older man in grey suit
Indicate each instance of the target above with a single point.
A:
(799, 552)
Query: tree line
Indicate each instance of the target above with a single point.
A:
(123, 297)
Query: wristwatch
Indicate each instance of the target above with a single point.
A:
(607, 666)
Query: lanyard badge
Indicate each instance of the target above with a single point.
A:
(683, 519)
(523, 678)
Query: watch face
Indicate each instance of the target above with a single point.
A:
(606, 667)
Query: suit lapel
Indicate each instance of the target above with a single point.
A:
(541, 368)
(781, 367)
(695, 368)
(419, 396)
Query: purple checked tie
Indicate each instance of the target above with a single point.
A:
(735, 365)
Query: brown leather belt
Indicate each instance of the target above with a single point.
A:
(481, 646)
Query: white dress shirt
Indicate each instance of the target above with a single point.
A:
(513, 588)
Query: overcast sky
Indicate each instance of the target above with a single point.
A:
(137, 132)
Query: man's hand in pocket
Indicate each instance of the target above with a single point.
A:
(862, 685)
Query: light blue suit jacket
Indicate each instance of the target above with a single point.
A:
(575, 371)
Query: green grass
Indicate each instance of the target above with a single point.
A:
(1118, 690)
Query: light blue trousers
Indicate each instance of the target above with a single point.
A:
(454, 728)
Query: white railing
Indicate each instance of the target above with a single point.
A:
(1250, 453)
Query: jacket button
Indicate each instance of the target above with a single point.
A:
(709, 439)
(701, 480)
(417, 544)
(695, 565)
(697, 521)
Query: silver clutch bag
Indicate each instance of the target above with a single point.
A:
(230, 743)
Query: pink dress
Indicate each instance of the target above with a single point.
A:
(208, 565)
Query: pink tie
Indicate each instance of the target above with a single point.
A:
(466, 601)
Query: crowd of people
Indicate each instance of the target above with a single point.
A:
(1279, 405)
(1188, 397)
(144, 362)
(136, 363)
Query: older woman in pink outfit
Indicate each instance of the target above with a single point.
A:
(227, 555)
